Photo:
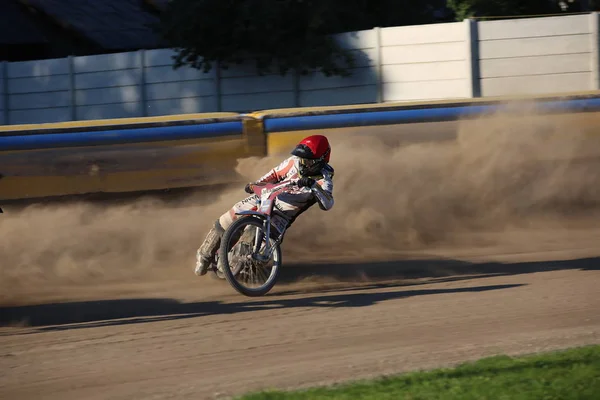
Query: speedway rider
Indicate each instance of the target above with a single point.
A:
(309, 164)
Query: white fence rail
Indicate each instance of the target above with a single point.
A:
(425, 62)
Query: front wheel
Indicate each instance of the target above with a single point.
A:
(243, 240)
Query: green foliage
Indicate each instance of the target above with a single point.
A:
(567, 375)
(281, 34)
(286, 33)
(499, 8)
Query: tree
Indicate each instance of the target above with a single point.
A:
(285, 34)
(499, 8)
(281, 34)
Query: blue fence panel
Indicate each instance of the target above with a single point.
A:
(20, 141)
(337, 119)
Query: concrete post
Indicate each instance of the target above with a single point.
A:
(472, 58)
(378, 65)
(296, 78)
(4, 117)
(143, 94)
(595, 53)
(72, 89)
(217, 67)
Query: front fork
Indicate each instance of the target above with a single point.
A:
(268, 251)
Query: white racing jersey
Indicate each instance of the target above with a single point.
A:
(322, 190)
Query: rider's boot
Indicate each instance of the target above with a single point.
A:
(247, 239)
(245, 243)
(248, 235)
(208, 249)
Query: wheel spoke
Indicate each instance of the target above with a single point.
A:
(246, 274)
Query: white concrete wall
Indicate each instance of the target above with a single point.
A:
(243, 90)
(107, 86)
(361, 87)
(537, 55)
(424, 62)
(39, 91)
(169, 91)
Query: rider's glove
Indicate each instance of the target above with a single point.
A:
(306, 182)
(249, 188)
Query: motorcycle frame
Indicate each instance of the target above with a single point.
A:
(267, 194)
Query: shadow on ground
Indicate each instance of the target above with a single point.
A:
(428, 268)
(62, 316)
(392, 279)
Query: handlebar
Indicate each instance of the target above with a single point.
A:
(258, 187)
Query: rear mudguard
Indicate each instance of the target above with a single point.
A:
(254, 213)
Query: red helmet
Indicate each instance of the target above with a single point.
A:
(313, 147)
(314, 152)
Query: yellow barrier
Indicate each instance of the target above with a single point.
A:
(123, 168)
(182, 163)
(281, 142)
(126, 167)
(448, 102)
(115, 121)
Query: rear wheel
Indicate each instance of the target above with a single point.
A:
(245, 239)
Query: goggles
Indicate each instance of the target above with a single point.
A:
(308, 163)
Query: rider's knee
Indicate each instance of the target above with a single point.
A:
(226, 219)
(218, 227)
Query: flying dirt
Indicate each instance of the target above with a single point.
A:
(506, 170)
(470, 243)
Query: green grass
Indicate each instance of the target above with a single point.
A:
(565, 375)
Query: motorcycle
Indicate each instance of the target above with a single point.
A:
(251, 244)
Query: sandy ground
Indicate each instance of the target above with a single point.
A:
(195, 338)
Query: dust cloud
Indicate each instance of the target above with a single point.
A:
(503, 169)
(515, 168)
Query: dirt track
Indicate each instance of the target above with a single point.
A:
(196, 339)
(101, 302)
